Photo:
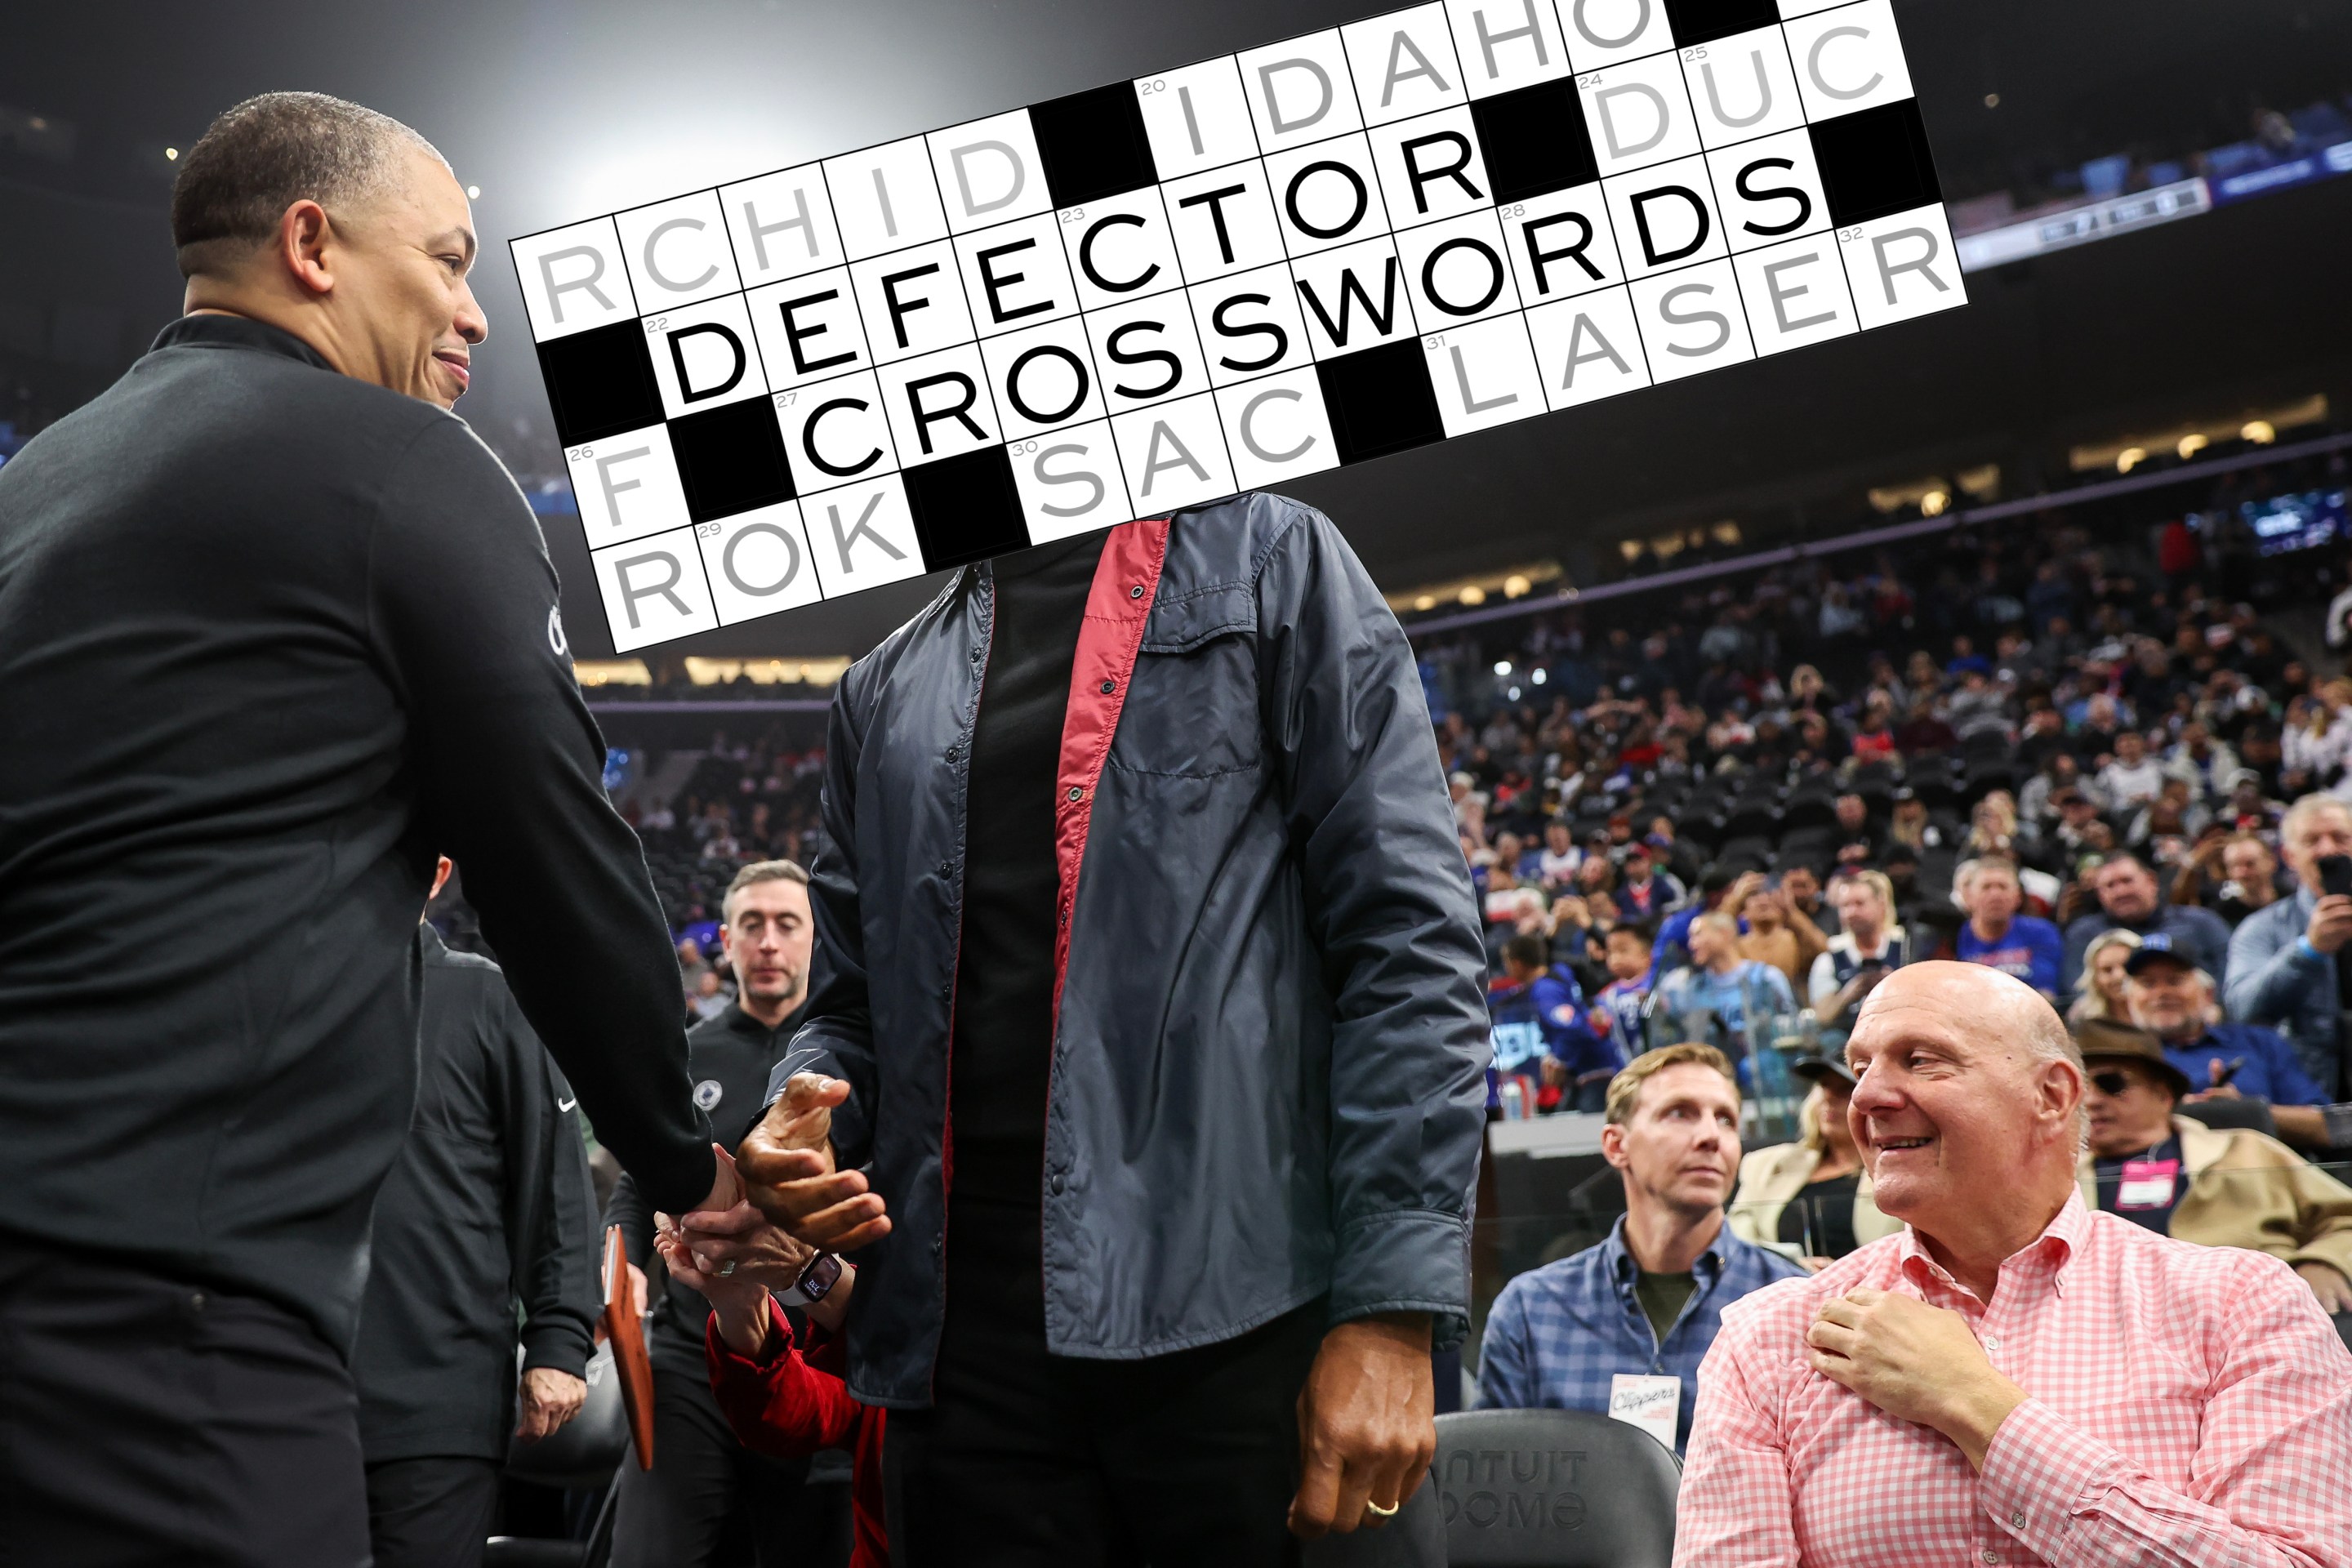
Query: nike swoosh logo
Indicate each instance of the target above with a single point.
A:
(565, 1104)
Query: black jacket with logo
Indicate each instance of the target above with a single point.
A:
(271, 638)
(488, 1207)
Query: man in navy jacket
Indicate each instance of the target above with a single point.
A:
(1155, 1011)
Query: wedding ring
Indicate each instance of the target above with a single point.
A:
(1388, 1512)
(729, 1267)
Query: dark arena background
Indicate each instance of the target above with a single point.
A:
(2060, 575)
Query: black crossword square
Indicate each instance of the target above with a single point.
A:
(1875, 162)
(1093, 144)
(1533, 140)
(1704, 21)
(965, 507)
(1379, 401)
(600, 381)
(731, 460)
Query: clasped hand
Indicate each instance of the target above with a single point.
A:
(787, 1166)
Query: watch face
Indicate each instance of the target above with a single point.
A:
(819, 1276)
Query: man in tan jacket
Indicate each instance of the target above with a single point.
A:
(2216, 1188)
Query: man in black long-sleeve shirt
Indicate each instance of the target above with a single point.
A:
(494, 1156)
(275, 629)
(705, 1490)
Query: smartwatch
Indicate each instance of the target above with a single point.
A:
(816, 1282)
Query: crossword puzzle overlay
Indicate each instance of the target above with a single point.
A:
(1217, 278)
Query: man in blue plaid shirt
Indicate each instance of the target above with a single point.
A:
(1621, 1327)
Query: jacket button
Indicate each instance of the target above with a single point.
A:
(1108, 687)
(954, 751)
(947, 868)
(1136, 591)
(1054, 1186)
(1077, 793)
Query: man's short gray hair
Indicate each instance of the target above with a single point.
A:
(268, 153)
(2047, 1039)
(2299, 814)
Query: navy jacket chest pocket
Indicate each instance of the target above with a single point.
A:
(1192, 705)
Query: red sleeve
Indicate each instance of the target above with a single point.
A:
(778, 1405)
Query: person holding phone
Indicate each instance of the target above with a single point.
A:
(2286, 965)
(2173, 999)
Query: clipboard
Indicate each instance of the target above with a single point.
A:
(625, 1330)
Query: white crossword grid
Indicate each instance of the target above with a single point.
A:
(1217, 278)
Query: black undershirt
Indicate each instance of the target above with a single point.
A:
(1004, 1029)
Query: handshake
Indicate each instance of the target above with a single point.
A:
(778, 1201)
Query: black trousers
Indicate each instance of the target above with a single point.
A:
(1026, 1459)
(432, 1512)
(146, 1420)
(708, 1502)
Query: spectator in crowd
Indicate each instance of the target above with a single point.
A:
(2102, 990)
(1857, 835)
(1643, 890)
(706, 1488)
(691, 965)
(1721, 993)
(1537, 1011)
(2233, 873)
(2129, 900)
(709, 999)
(1868, 947)
(2288, 969)
(1646, 1302)
(1801, 885)
(1556, 866)
(1812, 1196)
(2174, 1000)
(2177, 1404)
(2134, 778)
(1719, 887)
(1619, 1007)
(1996, 935)
(2214, 1186)
(1779, 935)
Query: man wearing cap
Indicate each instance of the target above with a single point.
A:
(2172, 998)
(2214, 1186)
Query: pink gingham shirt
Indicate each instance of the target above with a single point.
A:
(2191, 1405)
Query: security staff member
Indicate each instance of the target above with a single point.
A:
(488, 1208)
(276, 628)
(705, 1490)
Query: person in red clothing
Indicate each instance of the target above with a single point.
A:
(779, 1399)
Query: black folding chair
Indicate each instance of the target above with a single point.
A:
(1554, 1488)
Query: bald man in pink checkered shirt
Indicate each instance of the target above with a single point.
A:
(2013, 1379)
